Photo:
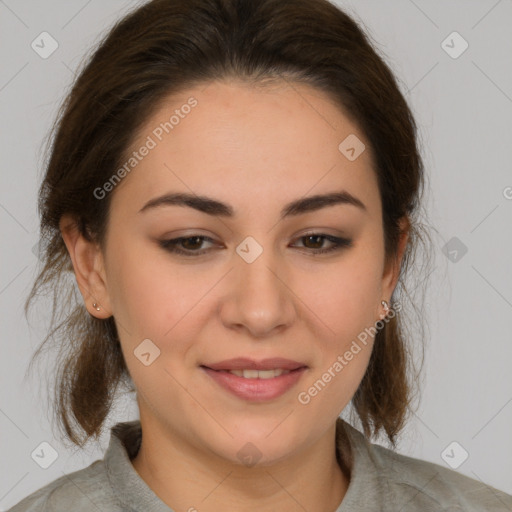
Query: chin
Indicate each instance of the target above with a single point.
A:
(264, 443)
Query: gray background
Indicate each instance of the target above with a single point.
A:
(463, 107)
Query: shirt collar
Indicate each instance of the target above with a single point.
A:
(365, 490)
(132, 491)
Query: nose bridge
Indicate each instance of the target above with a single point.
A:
(259, 299)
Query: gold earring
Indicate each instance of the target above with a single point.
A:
(96, 306)
(386, 308)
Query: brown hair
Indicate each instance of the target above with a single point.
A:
(164, 47)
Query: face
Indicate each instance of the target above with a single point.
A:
(245, 277)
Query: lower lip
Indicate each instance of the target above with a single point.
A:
(255, 390)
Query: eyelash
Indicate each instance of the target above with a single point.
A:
(171, 245)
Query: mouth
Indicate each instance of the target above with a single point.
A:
(246, 364)
(258, 374)
(256, 381)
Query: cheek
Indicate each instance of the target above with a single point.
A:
(147, 293)
(345, 298)
(154, 300)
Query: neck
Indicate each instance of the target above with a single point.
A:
(185, 478)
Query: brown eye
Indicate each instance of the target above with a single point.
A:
(191, 245)
(316, 240)
(187, 246)
(195, 244)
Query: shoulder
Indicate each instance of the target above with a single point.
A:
(85, 489)
(422, 481)
(418, 485)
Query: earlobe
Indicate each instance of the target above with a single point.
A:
(88, 266)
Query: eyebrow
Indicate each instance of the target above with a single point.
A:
(212, 206)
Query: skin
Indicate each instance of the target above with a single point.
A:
(256, 149)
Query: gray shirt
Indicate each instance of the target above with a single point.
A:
(381, 480)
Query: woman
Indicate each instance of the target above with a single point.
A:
(235, 185)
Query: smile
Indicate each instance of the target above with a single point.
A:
(258, 374)
(255, 385)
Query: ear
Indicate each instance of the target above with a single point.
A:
(88, 265)
(392, 269)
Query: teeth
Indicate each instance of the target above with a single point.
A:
(258, 374)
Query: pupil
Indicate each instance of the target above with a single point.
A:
(317, 237)
(187, 244)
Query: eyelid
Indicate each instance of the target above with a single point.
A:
(320, 231)
(340, 243)
(197, 233)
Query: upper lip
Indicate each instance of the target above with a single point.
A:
(244, 363)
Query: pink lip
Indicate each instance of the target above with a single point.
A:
(255, 390)
(243, 363)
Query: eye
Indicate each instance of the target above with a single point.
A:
(320, 238)
(191, 245)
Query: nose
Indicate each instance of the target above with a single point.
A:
(258, 298)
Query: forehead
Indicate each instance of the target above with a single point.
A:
(246, 144)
